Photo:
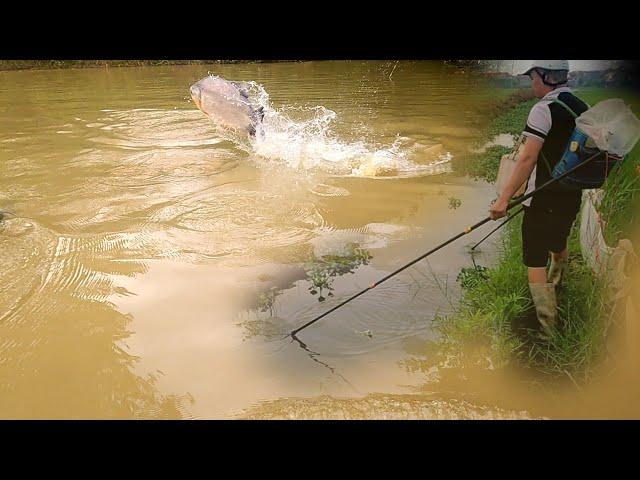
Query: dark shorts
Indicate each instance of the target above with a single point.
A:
(544, 230)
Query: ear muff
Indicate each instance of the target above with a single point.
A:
(544, 74)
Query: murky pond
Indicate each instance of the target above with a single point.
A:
(150, 266)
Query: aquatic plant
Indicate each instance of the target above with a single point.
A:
(454, 203)
(470, 276)
(322, 271)
(267, 299)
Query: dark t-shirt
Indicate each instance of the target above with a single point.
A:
(553, 124)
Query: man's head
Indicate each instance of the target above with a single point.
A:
(547, 75)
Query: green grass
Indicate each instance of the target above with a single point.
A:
(489, 306)
(508, 115)
(483, 316)
(510, 121)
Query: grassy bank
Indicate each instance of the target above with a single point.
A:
(496, 300)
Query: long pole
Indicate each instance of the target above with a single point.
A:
(442, 245)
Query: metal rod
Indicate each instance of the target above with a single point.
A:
(510, 217)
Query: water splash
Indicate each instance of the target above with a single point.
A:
(303, 139)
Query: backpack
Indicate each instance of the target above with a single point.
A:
(580, 148)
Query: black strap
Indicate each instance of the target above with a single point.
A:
(566, 107)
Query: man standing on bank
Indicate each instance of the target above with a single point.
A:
(549, 214)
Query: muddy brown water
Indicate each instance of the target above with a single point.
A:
(149, 268)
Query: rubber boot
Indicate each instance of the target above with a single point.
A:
(544, 299)
(556, 269)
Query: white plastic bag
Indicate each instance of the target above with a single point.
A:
(595, 250)
(507, 165)
(612, 126)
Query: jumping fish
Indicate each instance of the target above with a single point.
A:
(228, 104)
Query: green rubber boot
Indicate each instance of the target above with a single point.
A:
(544, 299)
(556, 269)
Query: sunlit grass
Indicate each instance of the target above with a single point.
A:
(489, 309)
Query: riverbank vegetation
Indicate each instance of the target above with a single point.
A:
(495, 317)
(464, 65)
(58, 64)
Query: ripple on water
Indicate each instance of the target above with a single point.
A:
(86, 267)
(123, 189)
(364, 325)
(151, 128)
(26, 252)
(378, 315)
(251, 222)
(332, 241)
(38, 265)
(323, 190)
(156, 166)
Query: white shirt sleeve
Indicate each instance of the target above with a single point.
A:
(538, 122)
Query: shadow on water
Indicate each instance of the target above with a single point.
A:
(319, 273)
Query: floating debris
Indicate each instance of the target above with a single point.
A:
(368, 333)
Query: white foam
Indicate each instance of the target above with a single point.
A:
(302, 139)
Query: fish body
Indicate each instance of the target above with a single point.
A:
(227, 104)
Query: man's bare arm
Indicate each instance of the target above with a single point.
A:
(524, 166)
